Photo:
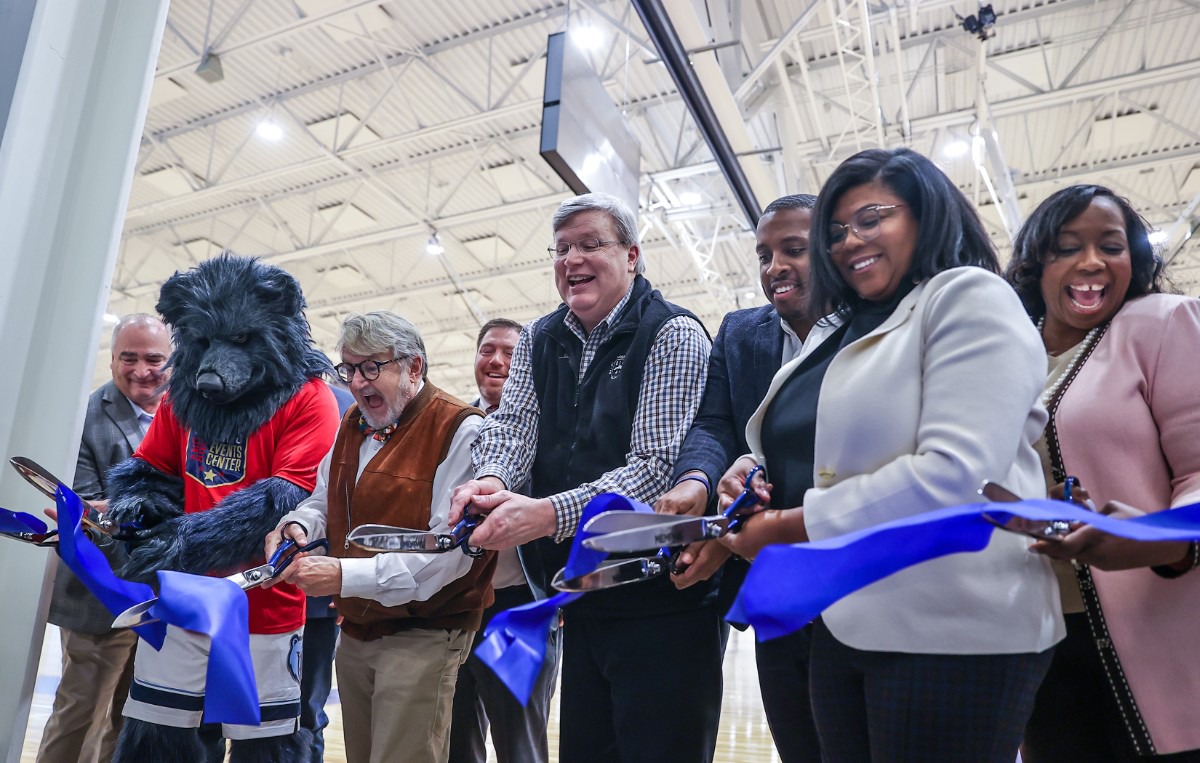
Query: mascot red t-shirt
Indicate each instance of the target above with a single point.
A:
(289, 446)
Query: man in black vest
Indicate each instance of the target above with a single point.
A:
(600, 395)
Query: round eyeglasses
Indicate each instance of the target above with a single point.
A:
(368, 368)
(585, 246)
(864, 223)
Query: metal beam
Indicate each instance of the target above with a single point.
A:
(674, 56)
(781, 45)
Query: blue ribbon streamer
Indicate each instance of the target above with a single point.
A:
(514, 644)
(216, 607)
(788, 586)
(90, 565)
(20, 522)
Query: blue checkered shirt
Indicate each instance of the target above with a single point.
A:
(672, 386)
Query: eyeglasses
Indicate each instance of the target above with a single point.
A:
(368, 368)
(864, 223)
(586, 246)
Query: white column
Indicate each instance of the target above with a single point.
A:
(67, 154)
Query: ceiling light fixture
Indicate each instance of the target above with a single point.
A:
(1158, 236)
(434, 245)
(956, 148)
(269, 129)
(586, 36)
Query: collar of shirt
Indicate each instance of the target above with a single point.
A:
(572, 321)
(488, 410)
(143, 417)
(792, 343)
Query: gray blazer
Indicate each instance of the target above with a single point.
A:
(110, 435)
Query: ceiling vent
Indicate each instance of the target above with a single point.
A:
(345, 218)
(333, 131)
(1120, 132)
(346, 27)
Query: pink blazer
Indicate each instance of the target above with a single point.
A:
(1129, 428)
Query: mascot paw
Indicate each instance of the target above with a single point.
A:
(156, 550)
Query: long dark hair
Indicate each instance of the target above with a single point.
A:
(950, 234)
(1039, 237)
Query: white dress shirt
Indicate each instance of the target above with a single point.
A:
(395, 579)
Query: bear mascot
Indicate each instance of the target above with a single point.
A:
(235, 445)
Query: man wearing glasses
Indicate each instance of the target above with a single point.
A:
(408, 619)
(600, 395)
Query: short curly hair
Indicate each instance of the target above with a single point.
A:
(1039, 235)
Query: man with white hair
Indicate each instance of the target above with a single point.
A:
(600, 395)
(407, 619)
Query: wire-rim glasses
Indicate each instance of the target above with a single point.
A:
(583, 246)
(368, 368)
(864, 223)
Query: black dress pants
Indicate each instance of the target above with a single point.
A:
(1075, 717)
(644, 688)
(783, 674)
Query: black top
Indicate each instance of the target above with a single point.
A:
(789, 429)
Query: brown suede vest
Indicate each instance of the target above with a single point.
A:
(396, 488)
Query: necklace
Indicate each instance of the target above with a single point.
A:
(1085, 349)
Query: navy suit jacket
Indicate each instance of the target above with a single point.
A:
(745, 356)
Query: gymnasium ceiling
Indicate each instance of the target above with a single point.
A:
(399, 119)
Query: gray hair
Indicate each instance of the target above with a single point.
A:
(624, 218)
(382, 331)
(144, 319)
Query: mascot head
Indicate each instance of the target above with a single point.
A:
(242, 345)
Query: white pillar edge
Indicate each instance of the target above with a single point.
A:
(67, 155)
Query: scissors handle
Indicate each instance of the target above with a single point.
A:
(462, 533)
(1069, 484)
(288, 551)
(745, 504)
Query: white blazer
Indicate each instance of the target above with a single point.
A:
(913, 417)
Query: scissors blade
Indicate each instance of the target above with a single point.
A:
(384, 538)
(136, 615)
(997, 493)
(246, 579)
(47, 484)
(680, 532)
(615, 521)
(612, 575)
(253, 577)
(49, 539)
(1036, 529)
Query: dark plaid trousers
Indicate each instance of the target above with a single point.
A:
(891, 707)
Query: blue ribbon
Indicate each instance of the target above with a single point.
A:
(788, 586)
(514, 644)
(90, 565)
(20, 522)
(216, 607)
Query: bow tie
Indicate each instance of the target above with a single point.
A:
(379, 434)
